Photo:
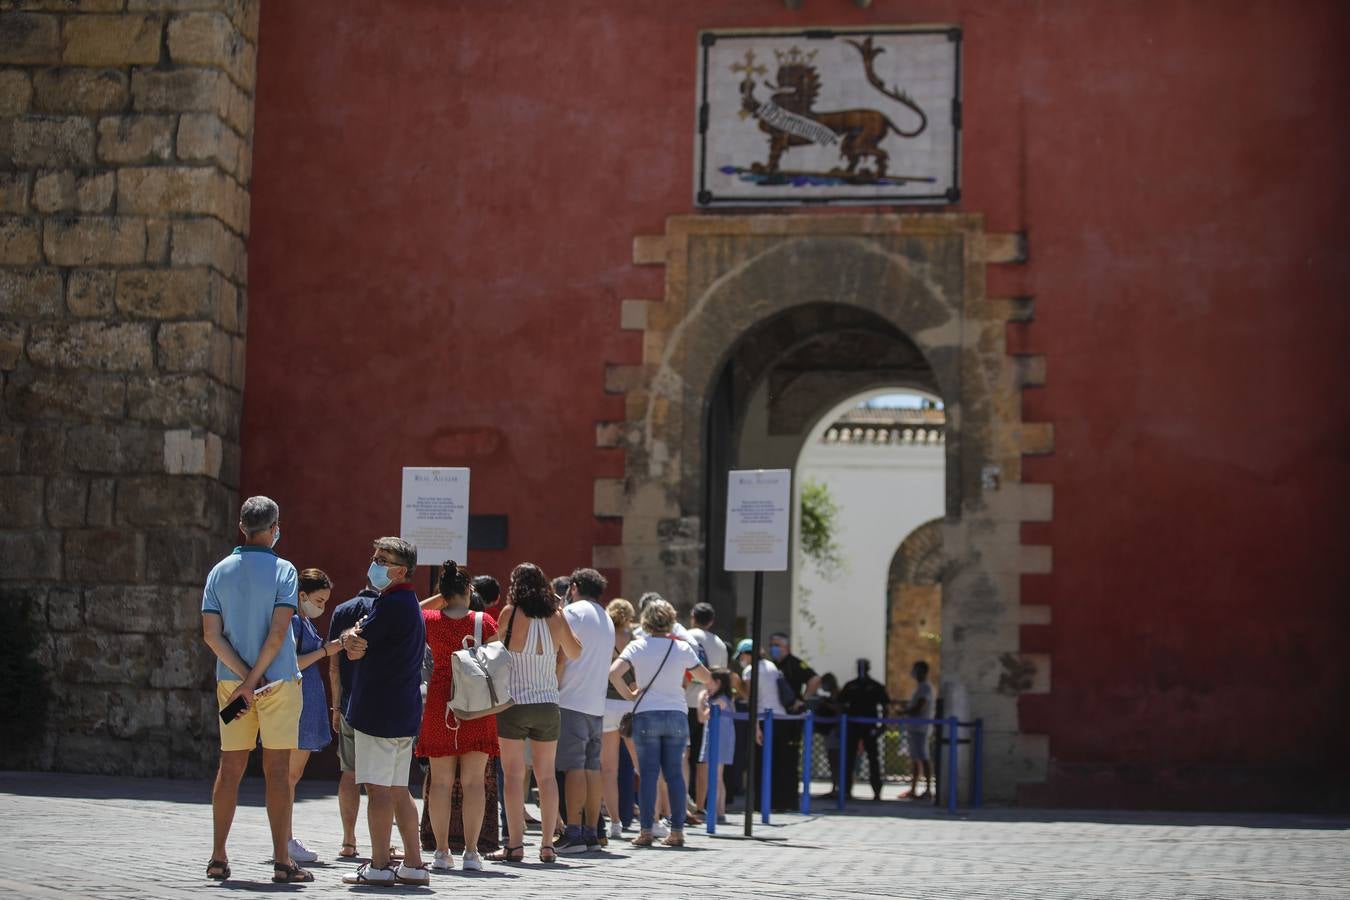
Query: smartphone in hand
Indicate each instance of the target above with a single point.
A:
(232, 711)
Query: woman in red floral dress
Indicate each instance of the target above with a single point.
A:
(454, 746)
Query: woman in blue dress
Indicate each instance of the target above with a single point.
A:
(315, 724)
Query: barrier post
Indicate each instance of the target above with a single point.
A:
(710, 802)
(766, 784)
(951, 764)
(977, 761)
(808, 760)
(844, 776)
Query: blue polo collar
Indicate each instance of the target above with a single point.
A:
(254, 548)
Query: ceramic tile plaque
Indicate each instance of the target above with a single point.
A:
(828, 116)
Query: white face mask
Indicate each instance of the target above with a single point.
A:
(311, 609)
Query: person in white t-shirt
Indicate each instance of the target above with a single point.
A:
(660, 722)
(581, 706)
(713, 651)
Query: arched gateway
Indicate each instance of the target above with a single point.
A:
(924, 276)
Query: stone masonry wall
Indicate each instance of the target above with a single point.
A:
(125, 154)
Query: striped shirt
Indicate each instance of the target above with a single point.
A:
(534, 671)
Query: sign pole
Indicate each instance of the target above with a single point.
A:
(752, 758)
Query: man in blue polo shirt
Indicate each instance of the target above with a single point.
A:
(247, 606)
(385, 711)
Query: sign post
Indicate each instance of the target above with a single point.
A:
(759, 511)
(435, 514)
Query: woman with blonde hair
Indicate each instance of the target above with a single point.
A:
(622, 614)
(658, 661)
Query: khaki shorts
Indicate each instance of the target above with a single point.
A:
(383, 761)
(346, 745)
(535, 721)
(275, 717)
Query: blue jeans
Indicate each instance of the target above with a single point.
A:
(660, 737)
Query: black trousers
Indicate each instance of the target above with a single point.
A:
(787, 755)
(867, 735)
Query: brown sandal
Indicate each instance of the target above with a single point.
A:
(222, 865)
(548, 855)
(343, 854)
(643, 840)
(290, 873)
(674, 839)
(395, 854)
(507, 854)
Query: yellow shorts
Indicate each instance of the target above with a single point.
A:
(275, 716)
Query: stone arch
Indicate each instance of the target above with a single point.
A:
(914, 607)
(922, 274)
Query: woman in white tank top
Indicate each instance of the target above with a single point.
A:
(533, 632)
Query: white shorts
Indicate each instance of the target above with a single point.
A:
(383, 761)
(614, 710)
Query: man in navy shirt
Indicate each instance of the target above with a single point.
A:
(345, 618)
(385, 712)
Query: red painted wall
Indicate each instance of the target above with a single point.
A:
(444, 200)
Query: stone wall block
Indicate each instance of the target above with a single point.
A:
(139, 609)
(100, 345)
(608, 497)
(165, 293)
(67, 191)
(203, 137)
(185, 346)
(19, 241)
(83, 241)
(30, 555)
(173, 401)
(226, 305)
(132, 712)
(207, 242)
(192, 90)
(237, 360)
(16, 92)
(211, 39)
(158, 500)
(104, 556)
(43, 447)
(102, 493)
(135, 139)
(11, 448)
(67, 500)
(29, 39)
(178, 556)
(192, 452)
(113, 40)
(31, 294)
(21, 501)
(89, 91)
(11, 345)
(185, 662)
(34, 395)
(89, 293)
(115, 449)
(65, 610)
(183, 191)
(47, 142)
(14, 186)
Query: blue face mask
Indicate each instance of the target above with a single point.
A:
(775, 652)
(276, 537)
(379, 576)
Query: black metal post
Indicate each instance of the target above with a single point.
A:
(752, 758)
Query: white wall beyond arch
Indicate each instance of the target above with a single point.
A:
(884, 492)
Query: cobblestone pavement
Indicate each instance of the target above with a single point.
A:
(83, 836)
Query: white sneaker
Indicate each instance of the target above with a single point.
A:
(615, 830)
(660, 828)
(472, 862)
(366, 873)
(442, 861)
(406, 874)
(300, 853)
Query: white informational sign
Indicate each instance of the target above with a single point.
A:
(759, 510)
(436, 513)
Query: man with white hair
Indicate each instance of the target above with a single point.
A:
(247, 606)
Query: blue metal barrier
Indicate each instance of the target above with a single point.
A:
(950, 725)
